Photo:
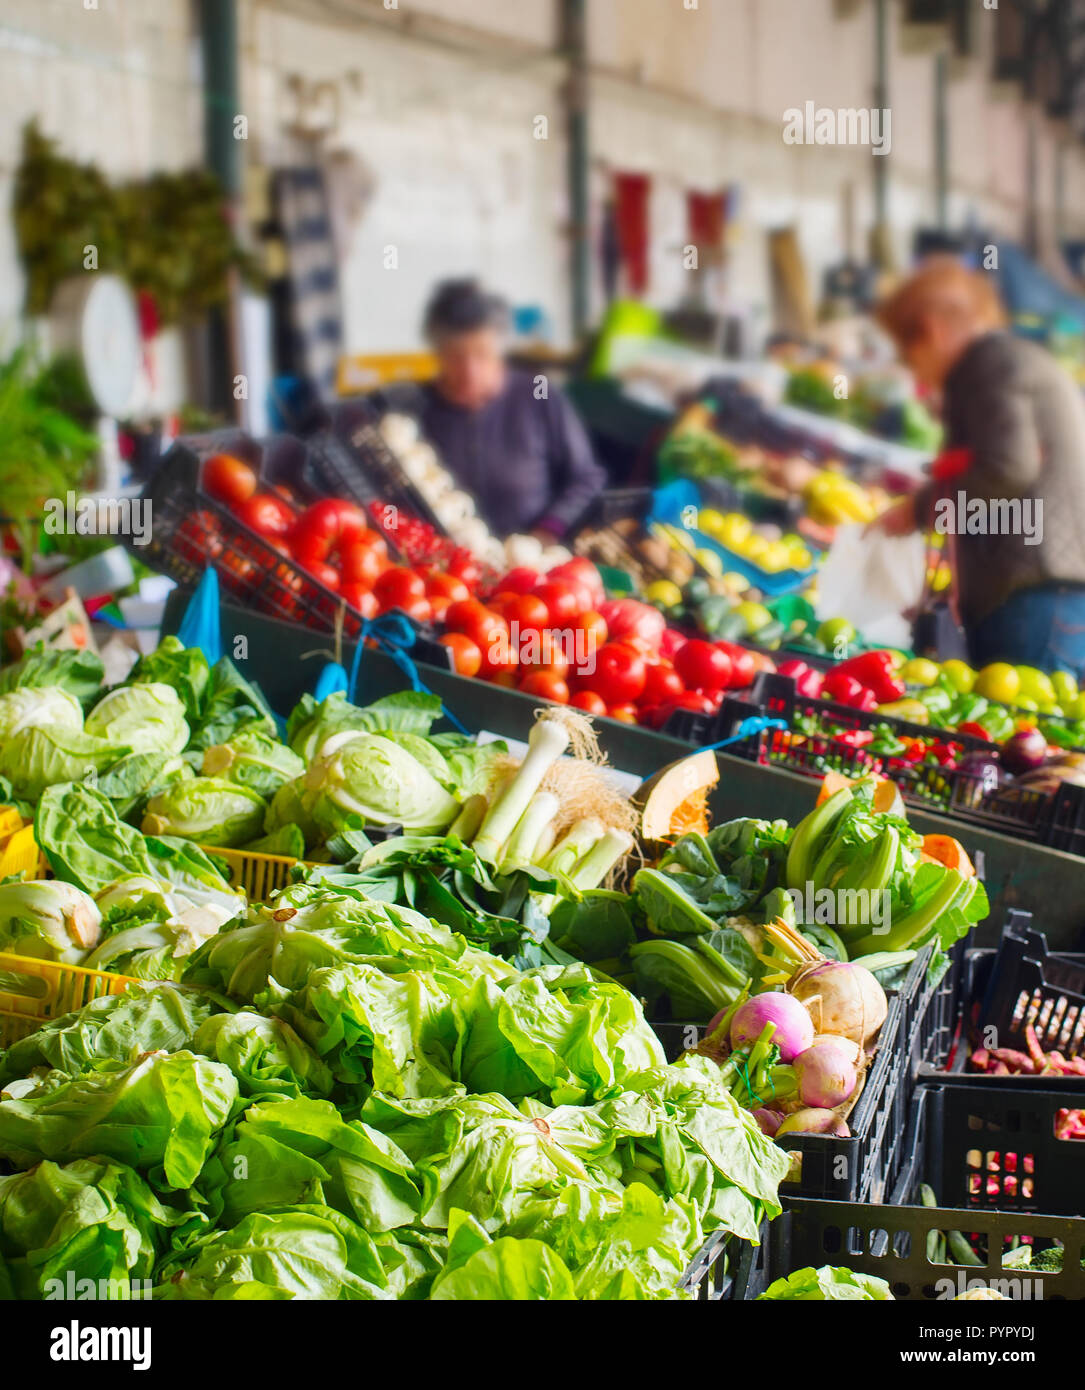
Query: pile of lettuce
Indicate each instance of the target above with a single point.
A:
(187, 750)
(343, 1099)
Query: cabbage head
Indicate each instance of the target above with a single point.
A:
(147, 718)
(29, 708)
(253, 758)
(206, 809)
(379, 782)
(48, 920)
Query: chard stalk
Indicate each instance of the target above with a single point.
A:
(547, 742)
(522, 843)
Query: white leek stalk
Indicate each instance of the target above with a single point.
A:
(547, 742)
(467, 823)
(574, 845)
(522, 845)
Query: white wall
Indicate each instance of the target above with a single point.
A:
(442, 120)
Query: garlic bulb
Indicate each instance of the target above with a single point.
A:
(554, 555)
(523, 551)
(399, 432)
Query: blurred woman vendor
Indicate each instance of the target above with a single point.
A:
(1011, 489)
(511, 440)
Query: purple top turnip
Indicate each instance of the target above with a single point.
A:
(791, 1020)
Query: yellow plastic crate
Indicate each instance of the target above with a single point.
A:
(34, 991)
(259, 875)
(19, 853)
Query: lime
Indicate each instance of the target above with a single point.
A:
(664, 593)
(1023, 702)
(999, 682)
(1065, 687)
(754, 615)
(919, 671)
(836, 632)
(960, 675)
(1036, 685)
(1076, 709)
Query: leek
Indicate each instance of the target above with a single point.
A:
(547, 742)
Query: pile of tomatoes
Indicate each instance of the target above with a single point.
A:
(558, 637)
(333, 541)
(554, 636)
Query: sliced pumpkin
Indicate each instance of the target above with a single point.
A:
(674, 801)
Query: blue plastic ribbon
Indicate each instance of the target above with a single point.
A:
(753, 725)
(394, 635)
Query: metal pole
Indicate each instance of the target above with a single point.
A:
(881, 103)
(222, 150)
(575, 42)
(941, 141)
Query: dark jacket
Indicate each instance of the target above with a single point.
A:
(1022, 419)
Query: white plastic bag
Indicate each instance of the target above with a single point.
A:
(873, 580)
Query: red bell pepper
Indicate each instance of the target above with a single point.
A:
(842, 687)
(976, 730)
(808, 681)
(868, 667)
(887, 689)
(867, 702)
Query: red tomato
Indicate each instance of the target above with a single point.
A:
(662, 683)
(326, 574)
(518, 581)
(228, 479)
(499, 656)
(628, 617)
(464, 613)
(265, 514)
(464, 566)
(439, 607)
(763, 662)
(582, 574)
(589, 702)
(624, 714)
(359, 597)
(397, 586)
(546, 685)
(448, 586)
(619, 674)
(361, 564)
(743, 665)
(703, 666)
(672, 641)
(373, 539)
(527, 611)
(199, 538)
(416, 608)
(332, 521)
(594, 627)
(562, 602)
(466, 657)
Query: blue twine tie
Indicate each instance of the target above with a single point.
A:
(753, 725)
(394, 634)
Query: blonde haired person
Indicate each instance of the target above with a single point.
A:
(1016, 422)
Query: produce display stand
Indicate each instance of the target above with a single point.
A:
(1020, 983)
(891, 1241)
(1057, 821)
(285, 659)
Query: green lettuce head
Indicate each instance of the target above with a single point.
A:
(378, 782)
(49, 920)
(207, 809)
(148, 718)
(29, 708)
(254, 759)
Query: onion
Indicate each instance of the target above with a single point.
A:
(825, 1074)
(843, 999)
(769, 1120)
(1025, 751)
(814, 1122)
(523, 552)
(794, 1030)
(399, 432)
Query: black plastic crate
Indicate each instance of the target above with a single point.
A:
(1056, 821)
(712, 1275)
(1021, 982)
(866, 1165)
(362, 467)
(891, 1241)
